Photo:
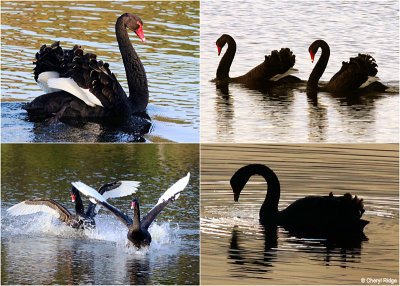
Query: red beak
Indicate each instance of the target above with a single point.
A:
(140, 34)
(312, 56)
(73, 198)
(133, 205)
(219, 50)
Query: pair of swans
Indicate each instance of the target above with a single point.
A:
(313, 216)
(138, 232)
(357, 74)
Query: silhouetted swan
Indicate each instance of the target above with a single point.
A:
(318, 216)
(274, 68)
(78, 86)
(80, 219)
(138, 232)
(357, 74)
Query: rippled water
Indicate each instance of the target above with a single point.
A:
(349, 27)
(170, 57)
(36, 249)
(236, 250)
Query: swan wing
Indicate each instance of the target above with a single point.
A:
(354, 74)
(43, 81)
(96, 77)
(97, 198)
(114, 190)
(69, 85)
(169, 196)
(41, 205)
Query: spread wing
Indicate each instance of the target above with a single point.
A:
(97, 198)
(169, 196)
(41, 205)
(113, 190)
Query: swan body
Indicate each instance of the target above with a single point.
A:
(357, 74)
(138, 232)
(81, 219)
(312, 216)
(78, 86)
(275, 67)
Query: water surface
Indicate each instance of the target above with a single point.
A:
(235, 249)
(36, 249)
(170, 57)
(238, 114)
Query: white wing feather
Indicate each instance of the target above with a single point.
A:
(369, 80)
(69, 85)
(91, 193)
(43, 79)
(175, 189)
(126, 188)
(282, 75)
(25, 209)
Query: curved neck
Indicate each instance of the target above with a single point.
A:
(226, 61)
(320, 65)
(135, 73)
(269, 208)
(79, 209)
(136, 217)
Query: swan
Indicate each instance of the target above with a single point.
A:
(78, 86)
(357, 74)
(276, 67)
(138, 232)
(311, 216)
(81, 219)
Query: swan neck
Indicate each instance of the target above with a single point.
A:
(226, 61)
(269, 208)
(135, 73)
(79, 209)
(136, 218)
(320, 65)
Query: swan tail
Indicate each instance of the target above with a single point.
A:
(278, 64)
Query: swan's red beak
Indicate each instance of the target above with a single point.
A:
(73, 198)
(133, 205)
(312, 56)
(140, 34)
(219, 50)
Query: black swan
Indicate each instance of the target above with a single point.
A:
(357, 74)
(78, 86)
(81, 219)
(138, 232)
(276, 68)
(312, 216)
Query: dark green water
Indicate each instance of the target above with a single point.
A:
(39, 250)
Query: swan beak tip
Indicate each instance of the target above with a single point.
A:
(144, 40)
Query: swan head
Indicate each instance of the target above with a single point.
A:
(135, 204)
(237, 184)
(74, 193)
(221, 42)
(134, 23)
(313, 49)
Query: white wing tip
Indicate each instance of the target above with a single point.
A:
(91, 193)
